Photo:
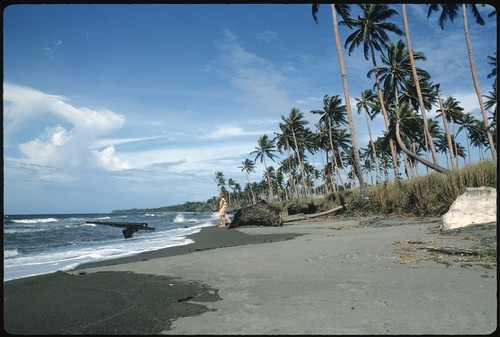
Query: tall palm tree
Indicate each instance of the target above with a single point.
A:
(453, 113)
(477, 136)
(445, 116)
(396, 70)
(371, 32)
(283, 141)
(449, 12)
(427, 134)
(295, 123)
(367, 101)
(343, 10)
(332, 115)
(265, 148)
(248, 166)
(467, 123)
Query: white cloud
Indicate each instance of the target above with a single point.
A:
(109, 161)
(59, 145)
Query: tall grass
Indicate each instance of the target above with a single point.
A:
(430, 195)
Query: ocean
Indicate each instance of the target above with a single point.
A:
(42, 244)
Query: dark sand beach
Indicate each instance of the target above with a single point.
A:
(353, 276)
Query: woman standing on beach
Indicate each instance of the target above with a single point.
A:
(222, 210)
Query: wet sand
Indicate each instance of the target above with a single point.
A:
(328, 276)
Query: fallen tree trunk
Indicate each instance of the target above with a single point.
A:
(310, 216)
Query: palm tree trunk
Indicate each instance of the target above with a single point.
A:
(476, 86)
(374, 153)
(357, 160)
(427, 133)
(446, 130)
(420, 159)
(304, 182)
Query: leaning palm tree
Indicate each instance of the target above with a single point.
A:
(367, 101)
(343, 10)
(450, 11)
(249, 166)
(427, 134)
(265, 148)
(371, 32)
(406, 121)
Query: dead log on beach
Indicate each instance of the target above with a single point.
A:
(452, 250)
(130, 227)
(310, 216)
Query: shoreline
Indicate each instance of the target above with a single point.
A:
(321, 276)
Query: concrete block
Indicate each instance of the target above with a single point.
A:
(478, 205)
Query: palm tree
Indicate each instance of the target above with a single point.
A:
(467, 123)
(367, 101)
(445, 116)
(344, 13)
(284, 142)
(372, 34)
(450, 11)
(406, 122)
(332, 115)
(295, 123)
(397, 69)
(427, 134)
(477, 136)
(248, 166)
(265, 148)
(453, 113)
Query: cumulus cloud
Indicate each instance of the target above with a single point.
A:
(59, 145)
(109, 161)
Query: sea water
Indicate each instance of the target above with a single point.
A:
(42, 244)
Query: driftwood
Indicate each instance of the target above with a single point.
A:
(451, 250)
(130, 227)
(300, 217)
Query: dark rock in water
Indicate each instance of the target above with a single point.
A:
(260, 214)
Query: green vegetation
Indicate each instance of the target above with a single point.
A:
(430, 196)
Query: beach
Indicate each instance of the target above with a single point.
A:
(334, 276)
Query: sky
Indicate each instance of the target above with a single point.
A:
(110, 107)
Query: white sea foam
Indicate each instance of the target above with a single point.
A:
(10, 253)
(68, 257)
(41, 220)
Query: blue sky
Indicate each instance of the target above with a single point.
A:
(122, 106)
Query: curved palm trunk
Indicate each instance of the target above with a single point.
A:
(446, 131)
(357, 160)
(427, 133)
(412, 155)
(476, 86)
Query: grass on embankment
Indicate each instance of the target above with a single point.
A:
(426, 196)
